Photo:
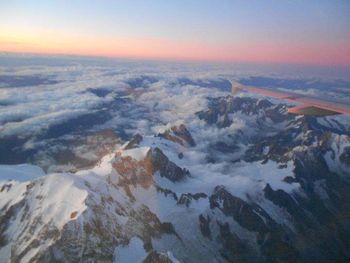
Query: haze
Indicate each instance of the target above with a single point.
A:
(291, 32)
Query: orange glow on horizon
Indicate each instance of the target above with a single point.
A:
(154, 48)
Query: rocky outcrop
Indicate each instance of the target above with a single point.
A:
(179, 134)
(142, 171)
(345, 156)
(309, 223)
(204, 225)
(271, 237)
(220, 108)
(186, 199)
(165, 167)
(233, 249)
(134, 142)
(157, 257)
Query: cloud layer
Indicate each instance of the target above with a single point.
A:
(50, 106)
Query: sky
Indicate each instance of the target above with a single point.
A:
(270, 31)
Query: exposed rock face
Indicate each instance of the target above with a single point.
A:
(185, 199)
(165, 167)
(345, 156)
(233, 248)
(220, 109)
(271, 238)
(204, 224)
(88, 236)
(145, 192)
(38, 223)
(102, 233)
(156, 257)
(142, 171)
(134, 142)
(179, 134)
(306, 141)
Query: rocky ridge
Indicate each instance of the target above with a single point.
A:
(146, 190)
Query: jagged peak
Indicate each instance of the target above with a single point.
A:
(134, 142)
(178, 134)
(140, 164)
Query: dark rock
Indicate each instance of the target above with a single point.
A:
(134, 142)
(141, 172)
(248, 216)
(220, 108)
(165, 167)
(156, 257)
(289, 179)
(274, 242)
(204, 225)
(345, 157)
(178, 134)
(166, 192)
(6, 187)
(186, 199)
(182, 132)
(233, 248)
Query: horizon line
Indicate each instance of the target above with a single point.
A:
(172, 59)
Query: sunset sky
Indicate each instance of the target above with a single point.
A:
(277, 31)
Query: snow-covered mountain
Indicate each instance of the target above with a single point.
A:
(168, 197)
(167, 169)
